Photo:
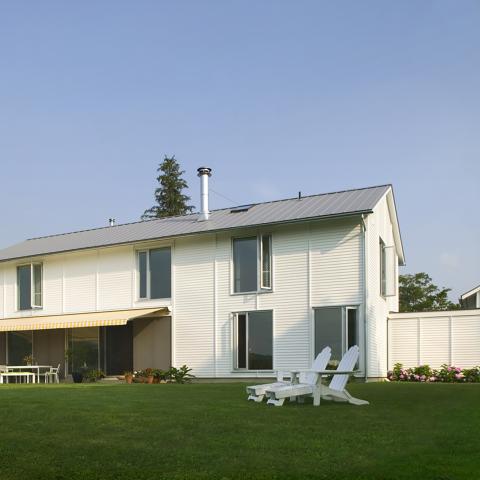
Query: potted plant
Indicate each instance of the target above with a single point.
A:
(128, 377)
(160, 376)
(149, 375)
(139, 376)
(77, 372)
(28, 359)
(94, 375)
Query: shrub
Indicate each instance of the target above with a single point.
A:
(424, 373)
(93, 375)
(180, 375)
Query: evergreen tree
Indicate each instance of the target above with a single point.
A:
(169, 197)
(419, 294)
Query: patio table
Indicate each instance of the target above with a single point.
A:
(11, 368)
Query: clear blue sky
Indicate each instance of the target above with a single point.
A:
(275, 96)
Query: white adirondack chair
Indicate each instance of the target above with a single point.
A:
(313, 387)
(257, 392)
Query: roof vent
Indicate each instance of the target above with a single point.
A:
(241, 208)
(111, 222)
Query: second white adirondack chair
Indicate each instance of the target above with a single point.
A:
(335, 391)
(257, 392)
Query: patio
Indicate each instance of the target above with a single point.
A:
(427, 431)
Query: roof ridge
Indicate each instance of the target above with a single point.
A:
(196, 213)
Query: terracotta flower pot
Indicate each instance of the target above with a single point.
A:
(150, 379)
(129, 378)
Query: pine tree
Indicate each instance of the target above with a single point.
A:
(169, 197)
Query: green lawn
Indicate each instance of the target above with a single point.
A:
(409, 431)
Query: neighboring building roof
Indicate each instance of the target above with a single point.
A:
(471, 292)
(325, 205)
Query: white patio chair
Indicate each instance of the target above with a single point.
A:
(257, 392)
(335, 391)
(52, 374)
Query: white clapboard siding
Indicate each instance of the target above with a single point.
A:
(378, 225)
(115, 278)
(80, 287)
(435, 338)
(194, 302)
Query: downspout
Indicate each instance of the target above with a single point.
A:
(365, 297)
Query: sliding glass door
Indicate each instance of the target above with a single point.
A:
(83, 346)
(19, 346)
(336, 327)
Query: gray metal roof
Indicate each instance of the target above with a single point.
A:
(281, 211)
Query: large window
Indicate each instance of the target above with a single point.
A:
(337, 328)
(254, 340)
(19, 345)
(387, 270)
(154, 271)
(83, 349)
(29, 286)
(252, 264)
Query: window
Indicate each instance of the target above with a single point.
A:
(387, 270)
(254, 340)
(19, 345)
(83, 349)
(154, 271)
(252, 264)
(336, 327)
(29, 286)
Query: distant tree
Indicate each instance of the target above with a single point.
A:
(419, 294)
(168, 195)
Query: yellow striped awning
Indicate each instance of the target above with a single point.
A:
(79, 320)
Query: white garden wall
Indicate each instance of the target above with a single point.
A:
(434, 338)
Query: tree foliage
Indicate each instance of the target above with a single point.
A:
(419, 294)
(168, 195)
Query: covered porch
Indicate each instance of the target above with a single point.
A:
(113, 342)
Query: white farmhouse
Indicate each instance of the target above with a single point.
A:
(232, 293)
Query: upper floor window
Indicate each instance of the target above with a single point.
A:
(252, 264)
(29, 286)
(154, 269)
(387, 270)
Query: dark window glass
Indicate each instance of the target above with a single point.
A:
(245, 264)
(83, 344)
(24, 284)
(328, 331)
(383, 266)
(260, 341)
(142, 271)
(242, 341)
(160, 273)
(352, 327)
(37, 284)
(266, 262)
(19, 346)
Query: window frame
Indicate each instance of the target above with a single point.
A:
(261, 288)
(235, 315)
(148, 273)
(33, 293)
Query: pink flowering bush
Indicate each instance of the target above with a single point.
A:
(424, 373)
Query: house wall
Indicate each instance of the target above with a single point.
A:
(49, 348)
(151, 343)
(434, 338)
(315, 264)
(378, 225)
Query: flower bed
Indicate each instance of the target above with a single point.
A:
(424, 373)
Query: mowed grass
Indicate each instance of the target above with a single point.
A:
(210, 431)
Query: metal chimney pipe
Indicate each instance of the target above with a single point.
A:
(204, 173)
(111, 222)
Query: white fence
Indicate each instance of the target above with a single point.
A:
(434, 338)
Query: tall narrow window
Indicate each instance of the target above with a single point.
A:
(143, 274)
(154, 273)
(29, 286)
(387, 270)
(254, 340)
(383, 267)
(266, 261)
(19, 346)
(245, 260)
